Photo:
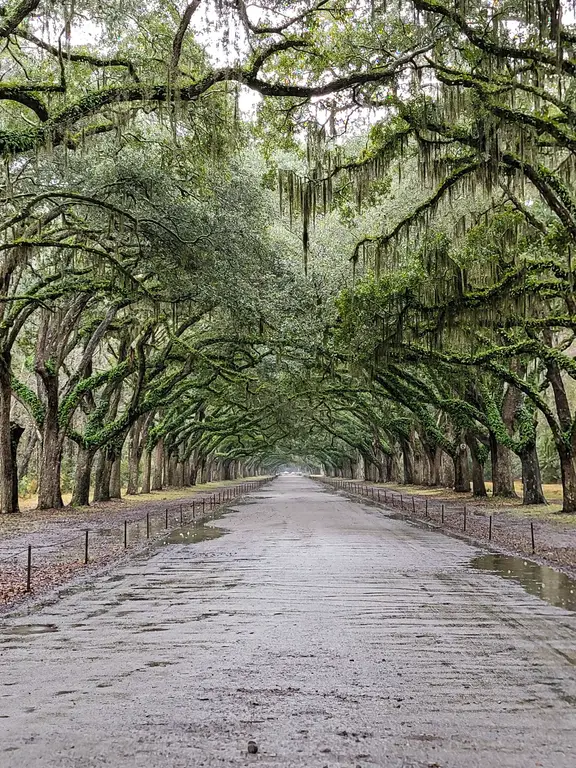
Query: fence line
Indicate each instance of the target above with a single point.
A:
(197, 509)
(442, 514)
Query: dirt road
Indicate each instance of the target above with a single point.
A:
(322, 629)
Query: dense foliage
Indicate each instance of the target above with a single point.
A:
(335, 234)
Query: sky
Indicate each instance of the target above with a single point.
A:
(204, 28)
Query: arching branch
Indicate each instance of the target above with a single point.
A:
(180, 33)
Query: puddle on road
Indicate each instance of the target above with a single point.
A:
(30, 629)
(193, 534)
(552, 586)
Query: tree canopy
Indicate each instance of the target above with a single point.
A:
(333, 234)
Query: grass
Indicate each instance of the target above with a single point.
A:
(29, 503)
(549, 512)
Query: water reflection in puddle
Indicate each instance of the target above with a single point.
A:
(550, 585)
(193, 534)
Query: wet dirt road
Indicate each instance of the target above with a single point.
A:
(323, 629)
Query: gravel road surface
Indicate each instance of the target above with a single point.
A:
(326, 631)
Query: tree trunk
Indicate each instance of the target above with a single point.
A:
(185, 465)
(478, 484)
(532, 492)
(102, 476)
(147, 472)
(81, 492)
(434, 456)
(389, 466)
(16, 432)
(408, 462)
(134, 456)
(158, 466)
(115, 477)
(461, 469)
(172, 468)
(179, 474)
(502, 479)
(49, 493)
(205, 471)
(7, 467)
(27, 454)
(568, 471)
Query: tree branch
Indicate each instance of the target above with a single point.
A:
(12, 19)
(85, 58)
(180, 33)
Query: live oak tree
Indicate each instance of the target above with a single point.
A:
(154, 304)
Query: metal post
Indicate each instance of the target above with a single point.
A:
(413, 505)
(464, 517)
(147, 525)
(29, 569)
(442, 514)
(203, 507)
(125, 533)
(532, 535)
(193, 509)
(86, 547)
(401, 502)
(181, 515)
(490, 529)
(378, 494)
(426, 501)
(166, 518)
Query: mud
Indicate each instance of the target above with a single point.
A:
(321, 629)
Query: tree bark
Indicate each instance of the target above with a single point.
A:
(172, 468)
(27, 454)
(134, 456)
(389, 466)
(382, 470)
(102, 476)
(532, 492)
(115, 477)
(158, 466)
(147, 472)
(81, 492)
(49, 491)
(478, 483)
(568, 471)
(461, 469)
(434, 456)
(502, 478)
(566, 452)
(7, 467)
(180, 474)
(16, 432)
(408, 462)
